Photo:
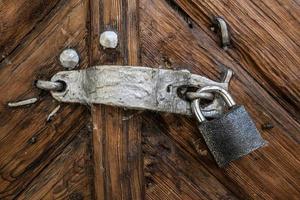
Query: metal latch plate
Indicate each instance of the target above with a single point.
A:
(132, 87)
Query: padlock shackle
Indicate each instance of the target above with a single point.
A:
(211, 89)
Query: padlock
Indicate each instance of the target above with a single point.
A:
(230, 136)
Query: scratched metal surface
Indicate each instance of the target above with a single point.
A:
(133, 87)
(232, 136)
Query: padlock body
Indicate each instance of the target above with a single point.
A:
(231, 136)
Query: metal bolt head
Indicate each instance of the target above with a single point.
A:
(109, 39)
(69, 58)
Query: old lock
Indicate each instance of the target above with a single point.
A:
(230, 136)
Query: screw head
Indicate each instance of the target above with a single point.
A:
(69, 58)
(109, 39)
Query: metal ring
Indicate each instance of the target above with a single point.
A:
(214, 89)
(197, 110)
(49, 85)
(198, 95)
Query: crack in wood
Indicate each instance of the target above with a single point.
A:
(181, 12)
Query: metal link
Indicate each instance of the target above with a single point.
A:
(49, 85)
(215, 89)
(199, 95)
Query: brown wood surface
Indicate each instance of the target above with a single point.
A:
(29, 146)
(179, 36)
(118, 162)
(18, 19)
(74, 157)
(67, 177)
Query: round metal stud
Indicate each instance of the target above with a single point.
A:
(109, 39)
(69, 58)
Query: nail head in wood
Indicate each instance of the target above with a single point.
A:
(109, 39)
(69, 58)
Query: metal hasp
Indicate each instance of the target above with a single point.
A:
(135, 88)
(230, 136)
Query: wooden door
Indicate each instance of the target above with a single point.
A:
(102, 152)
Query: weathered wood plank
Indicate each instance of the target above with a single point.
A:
(67, 177)
(18, 19)
(27, 143)
(265, 39)
(117, 140)
(200, 54)
(47, 162)
(171, 172)
(173, 41)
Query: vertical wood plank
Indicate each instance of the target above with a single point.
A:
(116, 138)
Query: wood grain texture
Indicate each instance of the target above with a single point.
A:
(171, 172)
(265, 37)
(67, 176)
(118, 163)
(18, 20)
(27, 143)
(172, 39)
(40, 160)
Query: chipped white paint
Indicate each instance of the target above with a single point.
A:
(69, 58)
(109, 39)
(133, 87)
